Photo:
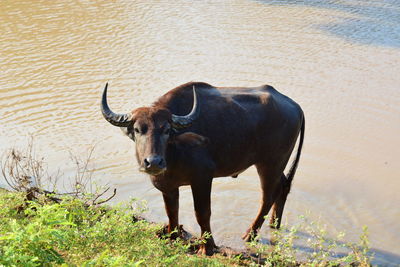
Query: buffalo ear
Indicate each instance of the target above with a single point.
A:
(190, 139)
(128, 131)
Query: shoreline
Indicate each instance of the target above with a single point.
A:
(66, 222)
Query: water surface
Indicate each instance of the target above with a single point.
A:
(338, 59)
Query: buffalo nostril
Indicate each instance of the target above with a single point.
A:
(154, 162)
(147, 163)
(161, 163)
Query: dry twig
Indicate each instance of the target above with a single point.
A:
(23, 172)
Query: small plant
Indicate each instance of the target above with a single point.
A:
(320, 248)
(360, 253)
(281, 252)
(325, 249)
(23, 171)
(32, 242)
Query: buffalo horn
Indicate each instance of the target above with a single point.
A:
(186, 121)
(120, 120)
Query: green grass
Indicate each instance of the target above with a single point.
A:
(322, 249)
(39, 233)
(71, 233)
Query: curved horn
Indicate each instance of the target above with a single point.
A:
(186, 121)
(120, 120)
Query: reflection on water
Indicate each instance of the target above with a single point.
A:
(338, 59)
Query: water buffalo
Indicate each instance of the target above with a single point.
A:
(196, 132)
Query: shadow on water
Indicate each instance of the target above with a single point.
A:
(379, 257)
(364, 22)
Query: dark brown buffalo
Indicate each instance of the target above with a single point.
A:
(225, 131)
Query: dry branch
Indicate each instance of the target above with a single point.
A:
(23, 172)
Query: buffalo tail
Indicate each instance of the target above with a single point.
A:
(293, 168)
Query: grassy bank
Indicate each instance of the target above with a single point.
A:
(40, 232)
(41, 227)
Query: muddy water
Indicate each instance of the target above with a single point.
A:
(339, 59)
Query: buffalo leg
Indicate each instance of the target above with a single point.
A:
(171, 201)
(202, 205)
(269, 180)
(277, 208)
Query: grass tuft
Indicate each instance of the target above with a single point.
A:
(71, 233)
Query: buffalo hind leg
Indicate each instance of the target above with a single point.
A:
(201, 191)
(277, 208)
(269, 180)
(171, 201)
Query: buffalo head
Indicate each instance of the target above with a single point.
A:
(152, 129)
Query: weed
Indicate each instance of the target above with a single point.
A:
(321, 249)
(72, 233)
(24, 171)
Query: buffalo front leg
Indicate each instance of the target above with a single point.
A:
(171, 201)
(202, 205)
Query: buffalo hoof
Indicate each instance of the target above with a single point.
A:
(250, 235)
(180, 232)
(207, 249)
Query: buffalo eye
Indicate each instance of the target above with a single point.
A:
(140, 129)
